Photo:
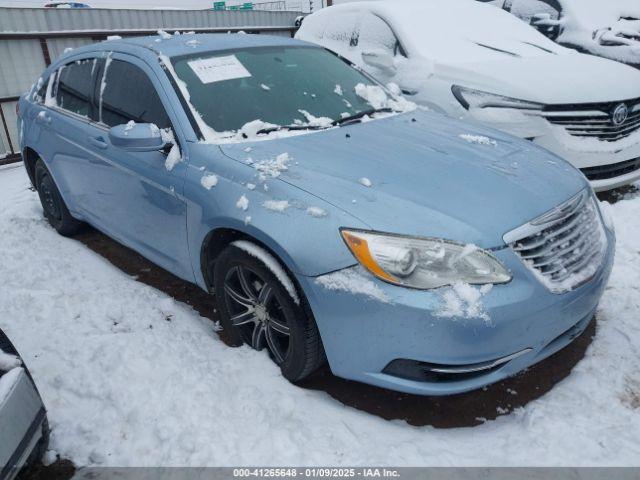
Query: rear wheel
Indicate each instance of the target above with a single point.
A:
(256, 309)
(55, 210)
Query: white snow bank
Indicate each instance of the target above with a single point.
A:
(353, 280)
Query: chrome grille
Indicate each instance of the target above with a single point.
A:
(563, 247)
(595, 120)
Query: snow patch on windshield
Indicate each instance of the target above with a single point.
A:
(271, 263)
(462, 300)
(378, 98)
(353, 280)
(314, 121)
(164, 35)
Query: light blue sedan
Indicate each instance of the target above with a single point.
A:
(331, 219)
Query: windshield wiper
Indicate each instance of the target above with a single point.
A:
(360, 115)
(289, 127)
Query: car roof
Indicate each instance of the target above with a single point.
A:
(173, 45)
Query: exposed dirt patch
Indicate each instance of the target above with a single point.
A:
(59, 470)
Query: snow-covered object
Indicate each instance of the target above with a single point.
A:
(209, 181)
(7, 362)
(610, 29)
(175, 156)
(272, 264)
(276, 205)
(463, 301)
(317, 212)
(164, 35)
(7, 381)
(353, 280)
(272, 167)
(378, 98)
(364, 181)
(478, 139)
(314, 121)
(243, 203)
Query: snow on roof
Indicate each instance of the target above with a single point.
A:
(452, 31)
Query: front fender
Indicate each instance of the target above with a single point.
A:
(306, 242)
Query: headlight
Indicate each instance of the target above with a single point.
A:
(470, 98)
(423, 263)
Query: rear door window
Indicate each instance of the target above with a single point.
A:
(75, 87)
(128, 94)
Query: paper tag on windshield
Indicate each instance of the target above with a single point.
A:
(218, 69)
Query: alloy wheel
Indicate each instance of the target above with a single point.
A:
(255, 311)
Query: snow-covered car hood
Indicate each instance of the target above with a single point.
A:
(429, 176)
(549, 78)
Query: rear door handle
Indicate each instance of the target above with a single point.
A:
(98, 142)
(43, 118)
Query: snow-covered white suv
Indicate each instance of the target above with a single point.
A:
(474, 61)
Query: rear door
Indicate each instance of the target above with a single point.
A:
(61, 125)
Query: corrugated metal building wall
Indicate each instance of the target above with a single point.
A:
(31, 38)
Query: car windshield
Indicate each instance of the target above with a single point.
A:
(300, 87)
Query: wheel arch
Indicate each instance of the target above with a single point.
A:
(221, 237)
(30, 157)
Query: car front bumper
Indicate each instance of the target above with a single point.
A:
(526, 323)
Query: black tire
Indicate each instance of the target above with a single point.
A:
(260, 311)
(55, 210)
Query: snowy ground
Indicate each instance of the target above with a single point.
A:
(125, 386)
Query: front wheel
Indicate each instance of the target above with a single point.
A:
(256, 309)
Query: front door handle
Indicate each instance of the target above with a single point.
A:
(98, 142)
(43, 118)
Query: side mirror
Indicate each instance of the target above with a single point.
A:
(137, 137)
(380, 59)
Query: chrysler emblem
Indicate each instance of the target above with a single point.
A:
(620, 114)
